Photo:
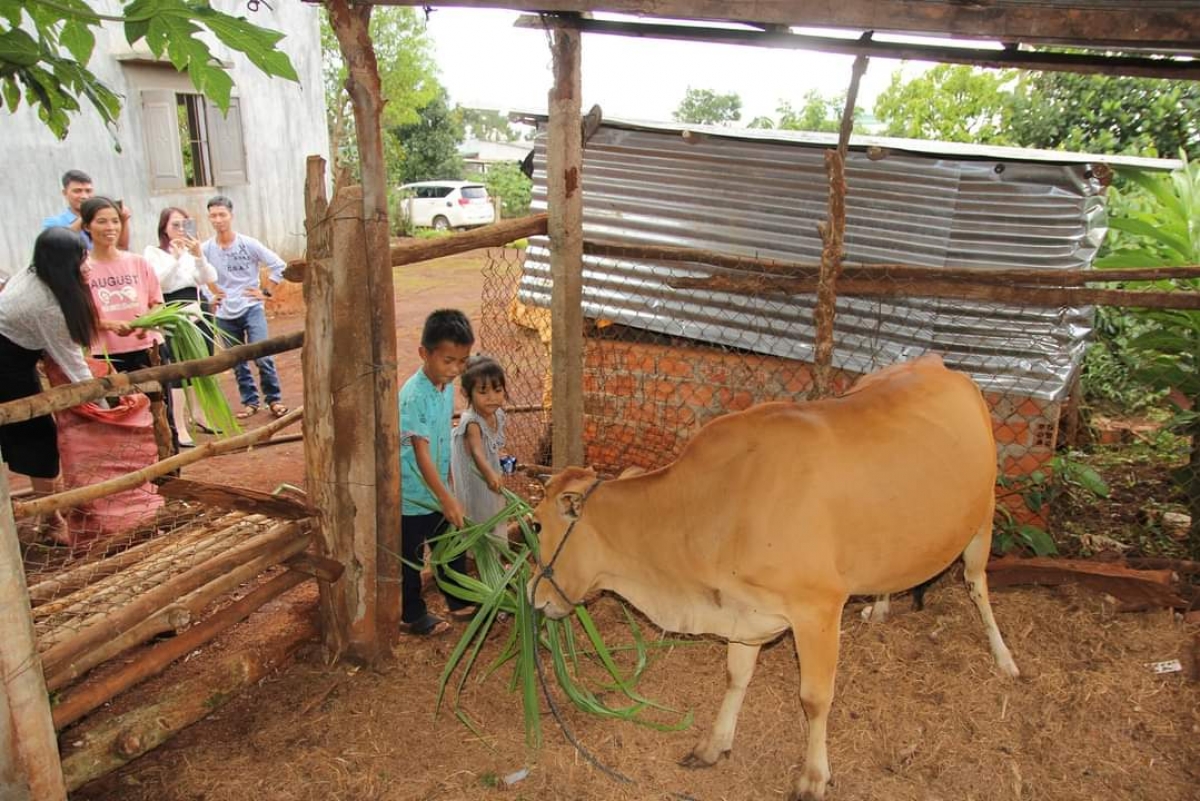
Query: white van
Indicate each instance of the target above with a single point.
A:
(446, 204)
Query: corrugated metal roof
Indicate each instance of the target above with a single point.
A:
(960, 150)
(763, 197)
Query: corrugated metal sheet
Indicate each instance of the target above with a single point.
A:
(764, 198)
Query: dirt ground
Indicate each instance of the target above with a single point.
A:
(920, 714)
(920, 711)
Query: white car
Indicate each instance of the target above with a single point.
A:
(442, 205)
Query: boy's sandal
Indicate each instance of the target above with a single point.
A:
(428, 626)
(464, 614)
(277, 409)
(247, 411)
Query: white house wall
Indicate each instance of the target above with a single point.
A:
(283, 123)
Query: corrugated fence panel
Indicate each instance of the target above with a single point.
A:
(764, 198)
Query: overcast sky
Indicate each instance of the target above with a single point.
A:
(486, 62)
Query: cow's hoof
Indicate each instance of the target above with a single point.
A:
(698, 760)
(809, 787)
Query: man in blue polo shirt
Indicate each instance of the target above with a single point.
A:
(76, 188)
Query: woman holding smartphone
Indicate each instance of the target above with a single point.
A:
(181, 268)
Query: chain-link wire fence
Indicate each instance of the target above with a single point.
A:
(659, 364)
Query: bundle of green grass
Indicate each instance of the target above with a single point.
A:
(180, 321)
(571, 647)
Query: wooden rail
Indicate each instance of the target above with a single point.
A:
(69, 395)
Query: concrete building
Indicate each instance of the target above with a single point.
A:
(172, 147)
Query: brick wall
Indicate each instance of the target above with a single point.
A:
(643, 401)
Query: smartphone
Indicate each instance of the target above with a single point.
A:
(189, 228)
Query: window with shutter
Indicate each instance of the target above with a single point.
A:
(161, 123)
(189, 142)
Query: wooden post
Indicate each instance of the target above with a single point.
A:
(158, 413)
(29, 763)
(564, 179)
(351, 26)
(832, 233)
(339, 431)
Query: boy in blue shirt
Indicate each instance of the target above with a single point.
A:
(426, 408)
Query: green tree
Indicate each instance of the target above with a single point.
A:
(45, 49)
(487, 124)
(819, 113)
(949, 103)
(515, 191)
(407, 74)
(1161, 227)
(1104, 114)
(706, 107)
(430, 145)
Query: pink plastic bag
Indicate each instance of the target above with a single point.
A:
(96, 444)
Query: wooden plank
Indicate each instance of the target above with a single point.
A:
(117, 740)
(1008, 58)
(1043, 296)
(413, 251)
(1117, 24)
(68, 395)
(564, 179)
(752, 265)
(237, 499)
(1154, 588)
(28, 748)
(112, 625)
(75, 705)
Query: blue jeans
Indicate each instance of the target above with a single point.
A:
(251, 326)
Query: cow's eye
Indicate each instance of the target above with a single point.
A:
(536, 527)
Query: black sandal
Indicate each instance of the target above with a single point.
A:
(428, 626)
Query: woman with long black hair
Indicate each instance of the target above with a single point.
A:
(45, 311)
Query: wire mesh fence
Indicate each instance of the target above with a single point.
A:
(671, 345)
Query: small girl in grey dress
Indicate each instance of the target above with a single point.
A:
(478, 441)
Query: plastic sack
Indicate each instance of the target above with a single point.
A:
(96, 444)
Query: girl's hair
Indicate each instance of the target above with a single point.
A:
(164, 217)
(481, 371)
(58, 256)
(93, 205)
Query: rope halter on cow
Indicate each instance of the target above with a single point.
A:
(546, 571)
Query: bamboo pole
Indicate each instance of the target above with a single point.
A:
(30, 751)
(118, 740)
(87, 604)
(985, 293)
(974, 275)
(176, 616)
(414, 251)
(81, 495)
(564, 183)
(68, 395)
(77, 704)
(113, 624)
(82, 575)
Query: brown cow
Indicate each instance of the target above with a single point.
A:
(772, 517)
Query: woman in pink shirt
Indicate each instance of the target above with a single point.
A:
(124, 287)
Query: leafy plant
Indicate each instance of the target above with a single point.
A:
(46, 46)
(504, 573)
(515, 191)
(1039, 490)
(1166, 352)
(188, 342)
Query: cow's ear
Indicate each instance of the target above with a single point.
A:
(569, 503)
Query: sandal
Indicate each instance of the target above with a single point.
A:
(247, 411)
(428, 626)
(465, 613)
(277, 409)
